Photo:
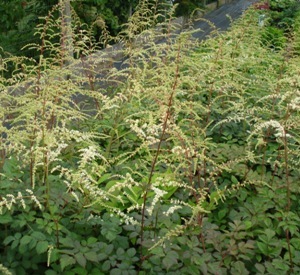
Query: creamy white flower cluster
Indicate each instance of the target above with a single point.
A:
(171, 183)
(295, 104)
(171, 210)
(124, 218)
(89, 154)
(158, 194)
(280, 131)
(4, 270)
(9, 200)
(187, 152)
(52, 155)
(148, 132)
(82, 181)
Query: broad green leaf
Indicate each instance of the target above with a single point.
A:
(120, 251)
(222, 213)
(91, 256)
(280, 264)
(109, 249)
(169, 262)
(80, 259)
(5, 219)
(38, 235)
(295, 242)
(8, 240)
(131, 252)
(14, 244)
(23, 248)
(248, 224)
(234, 180)
(239, 268)
(158, 250)
(270, 234)
(91, 240)
(106, 266)
(41, 247)
(197, 259)
(115, 271)
(18, 236)
(66, 260)
(260, 268)
(170, 259)
(263, 248)
(79, 270)
(102, 256)
(25, 240)
(32, 244)
(50, 272)
(67, 242)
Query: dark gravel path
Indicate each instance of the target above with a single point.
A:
(219, 17)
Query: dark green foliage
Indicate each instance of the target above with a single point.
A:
(18, 21)
(114, 13)
(283, 13)
(186, 7)
(274, 38)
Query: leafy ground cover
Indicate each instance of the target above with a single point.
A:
(186, 161)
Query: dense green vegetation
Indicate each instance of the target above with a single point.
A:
(186, 160)
(20, 17)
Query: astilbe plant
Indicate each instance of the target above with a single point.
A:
(160, 166)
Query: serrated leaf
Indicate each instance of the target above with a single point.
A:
(131, 252)
(170, 259)
(270, 233)
(41, 247)
(50, 272)
(38, 235)
(18, 236)
(248, 224)
(91, 240)
(91, 256)
(239, 268)
(115, 271)
(197, 259)
(25, 240)
(168, 262)
(23, 248)
(80, 259)
(8, 240)
(172, 254)
(5, 219)
(263, 248)
(66, 242)
(234, 179)
(158, 251)
(32, 244)
(66, 260)
(109, 249)
(120, 251)
(260, 268)
(222, 213)
(14, 244)
(106, 266)
(102, 256)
